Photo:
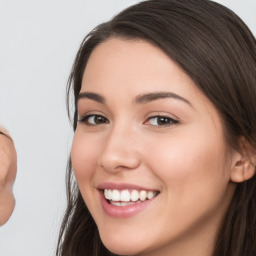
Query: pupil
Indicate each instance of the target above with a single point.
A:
(99, 120)
(163, 120)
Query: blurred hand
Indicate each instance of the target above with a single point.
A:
(8, 169)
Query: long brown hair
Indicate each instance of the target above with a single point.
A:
(217, 50)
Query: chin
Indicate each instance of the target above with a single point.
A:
(124, 251)
(121, 247)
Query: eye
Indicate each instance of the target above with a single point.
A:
(160, 121)
(93, 120)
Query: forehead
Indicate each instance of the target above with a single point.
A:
(120, 70)
(122, 61)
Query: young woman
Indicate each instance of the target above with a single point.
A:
(164, 150)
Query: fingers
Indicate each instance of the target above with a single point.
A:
(4, 132)
(1, 133)
(8, 169)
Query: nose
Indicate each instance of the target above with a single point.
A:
(120, 151)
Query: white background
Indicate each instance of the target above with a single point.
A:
(38, 42)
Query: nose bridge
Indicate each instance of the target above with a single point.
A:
(120, 149)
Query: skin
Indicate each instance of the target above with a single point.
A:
(8, 169)
(187, 160)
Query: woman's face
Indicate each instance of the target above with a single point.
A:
(153, 143)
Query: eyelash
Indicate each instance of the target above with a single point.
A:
(159, 120)
(166, 120)
(85, 120)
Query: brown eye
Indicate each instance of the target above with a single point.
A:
(94, 120)
(161, 121)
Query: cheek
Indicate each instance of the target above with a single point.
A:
(191, 162)
(84, 157)
(192, 177)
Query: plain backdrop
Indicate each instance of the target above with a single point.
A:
(38, 42)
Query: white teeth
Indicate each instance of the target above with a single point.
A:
(151, 194)
(121, 203)
(115, 195)
(108, 194)
(125, 197)
(135, 195)
(143, 195)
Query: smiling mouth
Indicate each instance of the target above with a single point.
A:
(128, 197)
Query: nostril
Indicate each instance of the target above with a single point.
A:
(118, 162)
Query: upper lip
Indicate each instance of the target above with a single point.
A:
(122, 186)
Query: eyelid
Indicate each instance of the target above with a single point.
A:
(173, 121)
(84, 119)
(83, 114)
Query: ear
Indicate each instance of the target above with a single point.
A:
(243, 163)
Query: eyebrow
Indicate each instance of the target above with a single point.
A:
(91, 96)
(140, 99)
(145, 98)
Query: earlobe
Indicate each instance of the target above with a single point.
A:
(243, 167)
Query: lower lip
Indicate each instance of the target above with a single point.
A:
(124, 211)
